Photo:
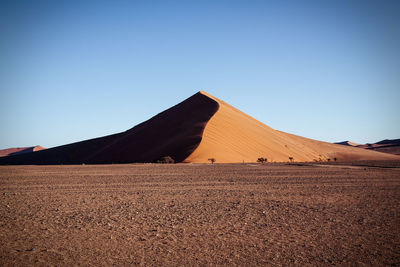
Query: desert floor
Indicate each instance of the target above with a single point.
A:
(200, 214)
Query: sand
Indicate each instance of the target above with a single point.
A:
(195, 130)
(175, 132)
(391, 146)
(19, 150)
(200, 215)
(232, 136)
(347, 143)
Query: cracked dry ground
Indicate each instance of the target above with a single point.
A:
(187, 214)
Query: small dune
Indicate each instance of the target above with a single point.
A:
(347, 143)
(19, 150)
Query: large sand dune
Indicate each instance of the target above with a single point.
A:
(199, 128)
(232, 136)
(175, 132)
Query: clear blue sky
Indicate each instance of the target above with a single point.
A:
(73, 70)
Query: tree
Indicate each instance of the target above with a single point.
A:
(262, 160)
(212, 160)
(166, 159)
(291, 159)
(335, 159)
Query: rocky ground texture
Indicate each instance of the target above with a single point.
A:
(200, 214)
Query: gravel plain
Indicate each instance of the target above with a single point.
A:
(200, 214)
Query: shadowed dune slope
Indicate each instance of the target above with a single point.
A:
(232, 136)
(175, 132)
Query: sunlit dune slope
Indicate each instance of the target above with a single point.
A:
(175, 132)
(232, 136)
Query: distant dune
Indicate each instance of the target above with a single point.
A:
(19, 150)
(347, 143)
(197, 129)
(391, 146)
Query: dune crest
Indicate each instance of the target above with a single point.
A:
(233, 136)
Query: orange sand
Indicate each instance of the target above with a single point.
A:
(232, 136)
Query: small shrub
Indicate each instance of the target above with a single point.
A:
(166, 159)
(262, 160)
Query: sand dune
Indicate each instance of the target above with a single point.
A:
(347, 143)
(199, 128)
(19, 150)
(233, 136)
(175, 132)
(391, 146)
